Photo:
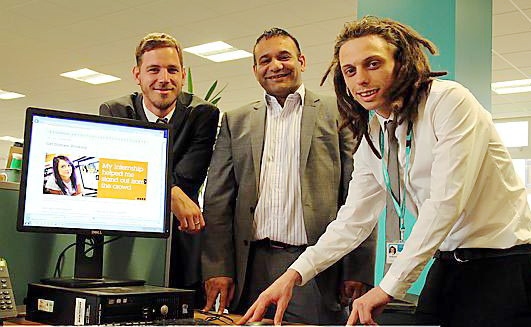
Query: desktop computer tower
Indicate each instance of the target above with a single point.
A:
(106, 305)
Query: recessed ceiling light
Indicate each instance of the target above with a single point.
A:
(90, 76)
(516, 86)
(218, 51)
(6, 95)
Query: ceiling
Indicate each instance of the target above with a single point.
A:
(43, 38)
(511, 54)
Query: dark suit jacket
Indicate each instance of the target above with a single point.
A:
(232, 191)
(193, 133)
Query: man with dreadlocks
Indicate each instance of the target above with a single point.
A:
(456, 178)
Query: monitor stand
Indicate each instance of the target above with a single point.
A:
(88, 267)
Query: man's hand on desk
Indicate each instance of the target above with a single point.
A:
(351, 290)
(368, 306)
(279, 292)
(187, 212)
(219, 285)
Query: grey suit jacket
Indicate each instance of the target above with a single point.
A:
(232, 192)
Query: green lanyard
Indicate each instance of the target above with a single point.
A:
(399, 208)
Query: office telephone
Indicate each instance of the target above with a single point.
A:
(8, 307)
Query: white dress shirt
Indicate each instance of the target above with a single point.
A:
(461, 186)
(151, 117)
(279, 214)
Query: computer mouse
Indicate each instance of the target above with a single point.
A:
(256, 323)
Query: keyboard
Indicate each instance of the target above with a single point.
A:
(182, 322)
(166, 322)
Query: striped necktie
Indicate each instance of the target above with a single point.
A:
(162, 120)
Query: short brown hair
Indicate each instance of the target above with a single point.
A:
(156, 41)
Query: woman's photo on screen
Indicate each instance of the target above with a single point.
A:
(63, 179)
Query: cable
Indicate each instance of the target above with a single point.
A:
(93, 246)
(60, 260)
(88, 242)
(216, 317)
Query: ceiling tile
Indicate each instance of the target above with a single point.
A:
(519, 24)
(502, 6)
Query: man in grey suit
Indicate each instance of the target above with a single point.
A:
(193, 125)
(279, 172)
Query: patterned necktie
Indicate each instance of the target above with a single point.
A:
(392, 225)
(162, 120)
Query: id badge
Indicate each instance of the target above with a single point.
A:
(392, 249)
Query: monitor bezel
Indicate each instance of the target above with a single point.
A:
(32, 112)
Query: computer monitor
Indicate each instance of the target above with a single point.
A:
(93, 176)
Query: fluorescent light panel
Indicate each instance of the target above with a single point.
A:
(508, 87)
(6, 95)
(218, 51)
(205, 49)
(90, 76)
(233, 55)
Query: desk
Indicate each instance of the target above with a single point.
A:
(387, 318)
(226, 320)
(20, 319)
(9, 185)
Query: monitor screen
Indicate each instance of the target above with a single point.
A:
(93, 176)
(86, 174)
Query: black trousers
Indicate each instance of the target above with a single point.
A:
(265, 265)
(481, 292)
(185, 264)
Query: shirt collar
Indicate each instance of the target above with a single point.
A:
(151, 117)
(383, 120)
(301, 91)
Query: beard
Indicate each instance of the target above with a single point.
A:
(163, 103)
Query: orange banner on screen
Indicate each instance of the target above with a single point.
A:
(122, 179)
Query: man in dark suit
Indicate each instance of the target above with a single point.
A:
(280, 170)
(160, 74)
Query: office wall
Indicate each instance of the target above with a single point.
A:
(32, 256)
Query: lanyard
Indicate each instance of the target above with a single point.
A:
(399, 208)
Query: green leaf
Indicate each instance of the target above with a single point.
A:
(189, 81)
(219, 92)
(211, 89)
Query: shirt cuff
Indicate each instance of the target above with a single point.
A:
(305, 269)
(394, 287)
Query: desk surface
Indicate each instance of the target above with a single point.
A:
(225, 319)
(9, 185)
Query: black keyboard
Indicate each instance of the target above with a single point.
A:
(167, 322)
(182, 322)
